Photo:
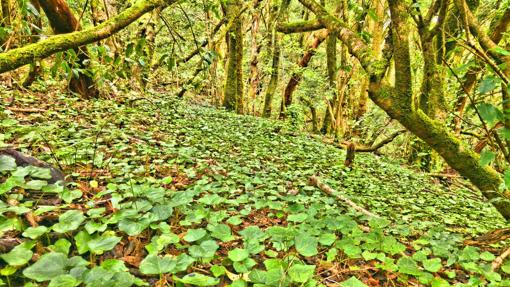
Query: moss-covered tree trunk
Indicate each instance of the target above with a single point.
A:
(397, 101)
(16, 58)
(277, 12)
(331, 57)
(254, 79)
(5, 21)
(234, 80)
(6, 12)
(376, 29)
(62, 21)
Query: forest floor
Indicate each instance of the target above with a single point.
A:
(163, 192)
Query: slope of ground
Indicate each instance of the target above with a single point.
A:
(163, 192)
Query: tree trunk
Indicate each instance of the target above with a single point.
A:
(36, 27)
(376, 29)
(62, 21)
(234, 81)
(296, 77)
(273, 81)
(275, 17)
(147, 31)
(6, 17)
(254, 79)
(6, 12)
(16, 58)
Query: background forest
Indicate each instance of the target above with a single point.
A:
(262, 142)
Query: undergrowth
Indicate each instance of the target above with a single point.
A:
(160, 192)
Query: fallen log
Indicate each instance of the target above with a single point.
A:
(24, 160)
(315, 181)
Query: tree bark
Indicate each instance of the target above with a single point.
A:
(296, 77)
(16, 58)
(35, 67)
(234, 81)
(276, 15)
(254, 79)
(6, 17)
(62, 21)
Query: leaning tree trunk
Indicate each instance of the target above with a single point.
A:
(62, 21)
(234, 81)
(296, 77)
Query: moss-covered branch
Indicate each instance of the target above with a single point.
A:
(300, 26)
(16, 58)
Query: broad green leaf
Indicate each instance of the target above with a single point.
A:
(195, 234)
(82, 240)
(238, 254)
(490, 113)
(432, 265)
(35, 232)
(198, 279)
(7, 163)
(69, 221)
(221, 232)
(155, 265)
(327, 239)
(103, 243)
(301, 273)
(64, 281)
(306, 245)
(206, 249)
(19, 255)
(487, 256)
(488, 84)
(49, 266)
(407, 265)
(218, 270)
(352, 282)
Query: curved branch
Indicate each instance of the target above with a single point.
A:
(16, 58)
(300, 26)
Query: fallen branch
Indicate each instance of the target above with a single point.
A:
(27, 110)
(490, 237)
(499, 260)
(7, 244)
(373, 148)
(315, 181)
